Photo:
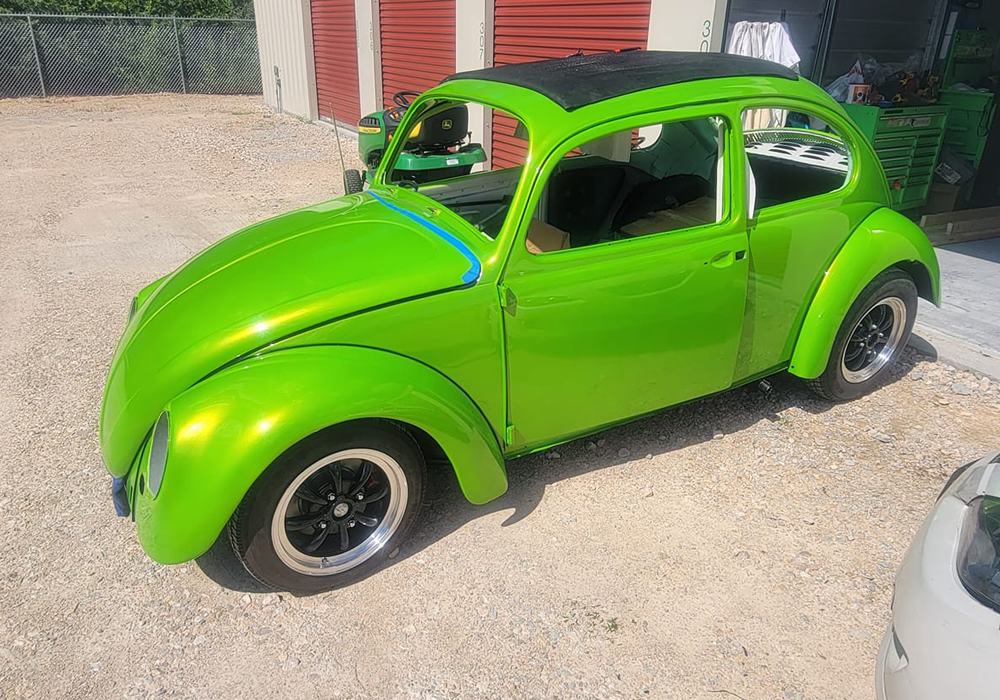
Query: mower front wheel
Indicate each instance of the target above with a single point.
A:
(353, 182)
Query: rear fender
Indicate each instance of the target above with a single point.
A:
(884, 239)
(226, 430)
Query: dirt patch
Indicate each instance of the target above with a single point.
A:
(743, 543)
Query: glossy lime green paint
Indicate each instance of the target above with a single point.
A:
(274, 279)
(459, 335)
(147, 291)
(225, 430)
(790, 243)
(883, 240)
(598, 328)
(388, 305)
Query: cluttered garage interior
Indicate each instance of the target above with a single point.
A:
(919, 78)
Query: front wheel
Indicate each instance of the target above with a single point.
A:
(329, 511)
(871, 337)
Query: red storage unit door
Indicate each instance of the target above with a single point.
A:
(336, 52)
(532, 30)
(418, 44)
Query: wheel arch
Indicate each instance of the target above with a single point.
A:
(921, 277)
(884, 240)
(227, 430)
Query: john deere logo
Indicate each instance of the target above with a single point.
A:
(446, 124)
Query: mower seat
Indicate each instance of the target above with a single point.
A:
(443, 129)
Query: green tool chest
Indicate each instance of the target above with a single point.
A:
(970, 56)
(907, 141)
(969, 117)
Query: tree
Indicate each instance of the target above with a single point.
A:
(158, 8)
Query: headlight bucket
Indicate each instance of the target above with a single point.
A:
(158, 454)
(979, 551)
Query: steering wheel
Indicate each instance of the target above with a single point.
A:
(637, 141)
(402, 98)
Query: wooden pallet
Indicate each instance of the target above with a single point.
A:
(961, 226)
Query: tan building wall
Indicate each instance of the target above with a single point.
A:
(686, 25)
(284, 38)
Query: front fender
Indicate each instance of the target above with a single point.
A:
(226, 430)
(883, 240)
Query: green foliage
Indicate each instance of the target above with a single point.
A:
(157, 8)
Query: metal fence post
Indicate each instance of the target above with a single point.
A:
(38, 61)
(180, 58)
(43, 55)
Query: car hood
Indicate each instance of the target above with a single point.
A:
(264, 283)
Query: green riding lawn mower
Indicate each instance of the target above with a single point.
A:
(438, 147)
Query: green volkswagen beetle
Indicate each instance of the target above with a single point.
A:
(651, 227)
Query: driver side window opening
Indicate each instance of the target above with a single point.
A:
(657, 179)
(791, 156)
(441, 161)
(438, 147)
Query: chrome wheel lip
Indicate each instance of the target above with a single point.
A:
(888, 352)
(304, 563)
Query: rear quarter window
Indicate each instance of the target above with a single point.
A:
(792, 156)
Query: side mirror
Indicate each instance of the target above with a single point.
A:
(354, 181)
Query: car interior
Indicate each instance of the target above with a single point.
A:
(619, 187)
(646, 181)
(795, 161)
(612, 188)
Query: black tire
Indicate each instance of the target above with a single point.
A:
(880, 296)
(251, 529)
(353, 182)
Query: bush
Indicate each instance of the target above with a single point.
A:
(155, 8)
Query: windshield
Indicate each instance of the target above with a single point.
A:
(444, 158)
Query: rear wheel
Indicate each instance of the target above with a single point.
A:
(871, 337)
(330, 510)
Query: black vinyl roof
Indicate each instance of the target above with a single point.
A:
(578, 81)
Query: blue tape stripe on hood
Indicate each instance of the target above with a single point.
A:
(472, 274)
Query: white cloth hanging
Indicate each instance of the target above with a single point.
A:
(767, 40)
(771, 42)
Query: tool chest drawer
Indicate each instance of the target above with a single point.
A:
(907, 141)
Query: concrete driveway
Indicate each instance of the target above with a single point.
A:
(966, 329)
(740, 546)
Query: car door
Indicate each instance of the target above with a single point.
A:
(803, 211)
(606, 331)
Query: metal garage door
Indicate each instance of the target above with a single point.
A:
(418, 44)
(336, 52)
(532, 30)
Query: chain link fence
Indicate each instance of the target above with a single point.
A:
(43, 55)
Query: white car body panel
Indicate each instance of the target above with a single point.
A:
(942, 642)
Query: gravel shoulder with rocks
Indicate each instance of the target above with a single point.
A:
(739, 546)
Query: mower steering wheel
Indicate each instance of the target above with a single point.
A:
(402, 98)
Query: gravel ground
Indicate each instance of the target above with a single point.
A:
(740, 546)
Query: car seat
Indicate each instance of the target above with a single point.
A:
(583, 200)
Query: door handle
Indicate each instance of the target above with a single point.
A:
(728, 257)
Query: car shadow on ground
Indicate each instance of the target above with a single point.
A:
(445, 509)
